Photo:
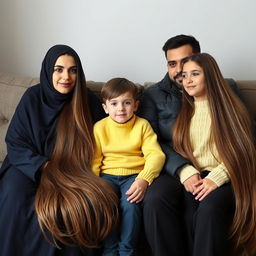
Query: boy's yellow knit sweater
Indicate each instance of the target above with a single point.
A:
(126, 149)
(204, 150)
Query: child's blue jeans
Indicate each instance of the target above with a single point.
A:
(123, 240)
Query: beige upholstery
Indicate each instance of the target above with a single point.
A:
(248, 90)
(12, 87)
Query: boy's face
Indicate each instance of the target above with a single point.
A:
(121, 108)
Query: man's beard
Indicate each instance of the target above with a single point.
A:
(178, 80)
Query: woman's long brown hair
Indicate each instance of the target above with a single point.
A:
(74, 206)
(231, 131)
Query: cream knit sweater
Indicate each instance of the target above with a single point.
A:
(204, 151)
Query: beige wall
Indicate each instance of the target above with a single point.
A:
(124, 37)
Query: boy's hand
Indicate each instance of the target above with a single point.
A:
(137, 191)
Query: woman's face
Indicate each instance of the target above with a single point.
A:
(193, 80)
(64, 74)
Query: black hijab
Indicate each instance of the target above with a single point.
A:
(31, 134)
(49, 95)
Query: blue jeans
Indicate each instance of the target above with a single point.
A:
(122, 241)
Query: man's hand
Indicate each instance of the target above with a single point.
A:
(137, 191)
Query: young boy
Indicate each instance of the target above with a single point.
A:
(128, 156)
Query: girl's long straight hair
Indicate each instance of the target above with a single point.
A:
(231, 131)
(74, 206)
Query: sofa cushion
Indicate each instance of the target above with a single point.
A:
(11, 89)
(95, 86)
(248, 91)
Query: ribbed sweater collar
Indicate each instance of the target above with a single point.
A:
(127, 124)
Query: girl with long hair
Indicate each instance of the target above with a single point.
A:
(213, 130)
(51, 203)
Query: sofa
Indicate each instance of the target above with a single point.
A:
(12, 88)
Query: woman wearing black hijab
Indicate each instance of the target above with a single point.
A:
(51, 203)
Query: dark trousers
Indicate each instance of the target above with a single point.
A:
(208, 222)
(162, 212)
(123, 242)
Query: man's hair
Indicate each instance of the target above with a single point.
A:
(117, 86)
(180, 40)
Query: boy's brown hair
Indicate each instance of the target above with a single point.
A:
(117, 86)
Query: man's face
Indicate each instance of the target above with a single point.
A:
(174, 59)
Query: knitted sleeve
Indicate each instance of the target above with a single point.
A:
(154, 156)
(219, 175)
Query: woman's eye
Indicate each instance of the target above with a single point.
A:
(127, 103)
(73, 70)
(59, 70)
(195, 74)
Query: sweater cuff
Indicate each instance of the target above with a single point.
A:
(218, 176)
(186, 172)
(146, 176)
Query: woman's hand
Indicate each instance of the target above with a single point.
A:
(137, 191)
(189, 183)
(204, 188)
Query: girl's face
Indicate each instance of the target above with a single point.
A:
(64, 74)
(194, 81)
(121, 108)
